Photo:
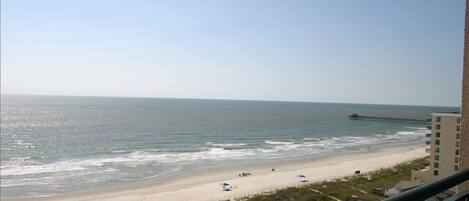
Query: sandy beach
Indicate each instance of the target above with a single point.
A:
(204, 185)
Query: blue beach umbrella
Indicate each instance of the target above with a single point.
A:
(224, 184)
(301, 177)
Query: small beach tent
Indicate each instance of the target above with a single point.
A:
(301, 177)
(224, 184)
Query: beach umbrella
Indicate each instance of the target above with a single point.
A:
(301, 177)
(224, 184)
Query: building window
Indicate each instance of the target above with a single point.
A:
(437, 149)
(457, 152)
(458, 128)
(456, 168)
(457, 144)
(437, 142)
(457, 136)
(458, 120)
(437, 157)
(456, 160)
(438, 119)
(435, 165)
(438, 126)
(437, 134)
(435, 172)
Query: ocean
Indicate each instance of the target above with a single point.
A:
(56, 144)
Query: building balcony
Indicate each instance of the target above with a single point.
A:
(428, 135)
(434, 188)
(428, 142)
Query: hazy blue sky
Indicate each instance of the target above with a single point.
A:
(361, 51)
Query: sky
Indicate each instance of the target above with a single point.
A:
(364, 51)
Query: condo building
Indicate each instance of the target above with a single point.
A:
(444, 151)
(444, 142)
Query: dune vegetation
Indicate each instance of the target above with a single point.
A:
(369, 186)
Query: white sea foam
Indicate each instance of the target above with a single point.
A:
(26, 182)
(403, 135)
(418, 128)
(22, 144)
(119, 151)
(331, 143)
(266, 150)
(133, 159)
(7, 170)
(312, 139)
(226, 145)
(277, 142)
(219, 151)
(40, 195)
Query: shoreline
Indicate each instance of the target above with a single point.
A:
(201, 185)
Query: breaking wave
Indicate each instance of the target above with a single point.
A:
(137, 158)
(30, 167)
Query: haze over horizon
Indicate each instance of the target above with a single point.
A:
(393, 52)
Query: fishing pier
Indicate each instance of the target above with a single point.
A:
(375, 118)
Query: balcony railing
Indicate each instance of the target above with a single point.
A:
(433, 188)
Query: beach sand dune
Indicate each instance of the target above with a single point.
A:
(204, 185)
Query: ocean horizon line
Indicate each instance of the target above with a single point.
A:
(227, 99)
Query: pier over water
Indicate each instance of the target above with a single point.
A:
(375, 118)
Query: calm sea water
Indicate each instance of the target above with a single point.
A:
(51, 145)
